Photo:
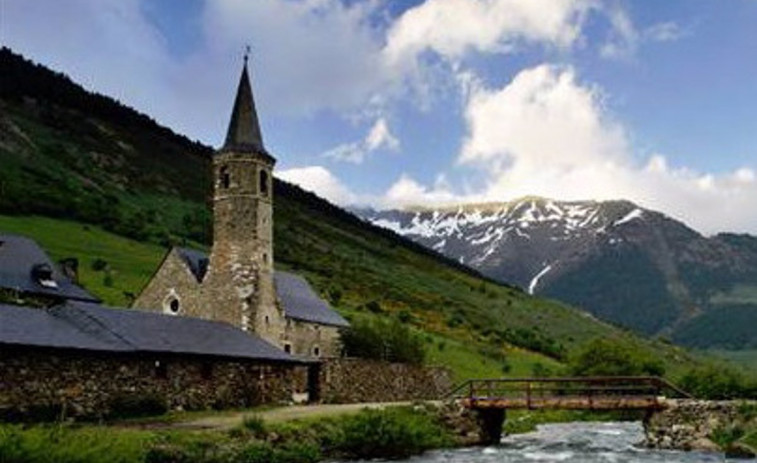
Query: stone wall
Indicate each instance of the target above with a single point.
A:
(87, 384)
(688, 424)
(348, 380)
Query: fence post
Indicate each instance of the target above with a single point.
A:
(528, 395)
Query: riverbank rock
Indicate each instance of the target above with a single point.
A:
(690, 424)
(461, 422)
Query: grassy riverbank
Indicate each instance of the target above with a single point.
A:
(391, 433)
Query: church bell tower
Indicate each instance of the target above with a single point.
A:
(240, 274)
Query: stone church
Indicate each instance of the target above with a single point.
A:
(237, 282)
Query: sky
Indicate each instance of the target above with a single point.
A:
(397, 103)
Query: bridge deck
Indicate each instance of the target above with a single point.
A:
(567, 403)
(591, 393)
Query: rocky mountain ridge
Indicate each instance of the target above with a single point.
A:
(622, 262)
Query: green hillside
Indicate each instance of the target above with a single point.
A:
(92, 179)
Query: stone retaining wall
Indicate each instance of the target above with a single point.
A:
(349, 380)
(688, 424)
(79, 384)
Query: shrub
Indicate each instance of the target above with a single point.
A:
(254, 424)
(388, 340)
(724, 436)
(609, 357)
(716, 382)
(99, 264)
(392, 433)
(374, 306)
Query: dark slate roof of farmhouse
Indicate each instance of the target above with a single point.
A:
(302, 303)
(18, 257)
(82, 325)
(42, 328)
(299, 300)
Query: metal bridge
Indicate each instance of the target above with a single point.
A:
(581, 393)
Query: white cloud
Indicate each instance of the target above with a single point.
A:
(307, 56)
(624, 39)
(548, 134)
(379, 137)
(668, 31)
(319, 180)
(453, 27)
(407, 192)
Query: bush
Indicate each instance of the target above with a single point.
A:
(609, 357)
(99, 265)
(717, 382)
(388, 340)
(392, 433)
(254, 424)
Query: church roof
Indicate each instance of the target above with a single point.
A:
(297, 297)
(26, 268)
(302, 303)
(243, 134)
(89, 326)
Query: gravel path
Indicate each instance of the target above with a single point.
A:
(277, 415)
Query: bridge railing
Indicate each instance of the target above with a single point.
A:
(535, 388)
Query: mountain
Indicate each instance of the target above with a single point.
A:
(625, 264)
(90, 178)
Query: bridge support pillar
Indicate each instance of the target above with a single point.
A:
(490, 421)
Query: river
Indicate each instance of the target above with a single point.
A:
(570, 442)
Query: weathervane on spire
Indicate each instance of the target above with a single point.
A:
(247, 50)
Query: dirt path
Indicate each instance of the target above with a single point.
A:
(277, 415)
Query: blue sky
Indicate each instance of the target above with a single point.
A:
(443, 101)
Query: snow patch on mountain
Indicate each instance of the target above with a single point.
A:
(535, 279)
(633, 215)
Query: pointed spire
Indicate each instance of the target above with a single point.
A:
(244, 129)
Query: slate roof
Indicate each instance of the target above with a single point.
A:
(297, 297)
(196, 261)
(302, 303)
(18, 256)
(89, 326)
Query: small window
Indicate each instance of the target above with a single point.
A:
(264, 183)
(43, 274)
(161, 370)
(206, 371)
(288, 348)
(316, 351)
(267, 320)
(174, 305)
(225, 177)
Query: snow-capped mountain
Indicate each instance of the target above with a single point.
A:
(624, 263)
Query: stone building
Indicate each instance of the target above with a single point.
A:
(237, 282)
(61, 352)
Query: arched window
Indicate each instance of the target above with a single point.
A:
(225, 177)
(172, 304)
(264, 183)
